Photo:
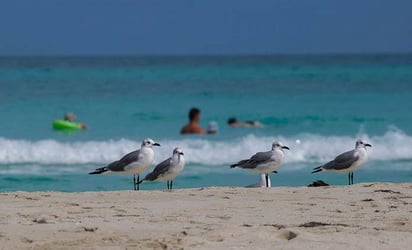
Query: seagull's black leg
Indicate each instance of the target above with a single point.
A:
(171, 185)
(167, 185)
(134, 181)
(267, 180)
(351, 177)
(137, 183)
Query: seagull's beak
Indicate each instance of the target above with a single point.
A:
(368, 145)
(285, 147)
(181, 153)
(156, 144)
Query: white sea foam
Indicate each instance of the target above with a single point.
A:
(394, 145)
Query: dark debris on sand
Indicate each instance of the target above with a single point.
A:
(318, 183)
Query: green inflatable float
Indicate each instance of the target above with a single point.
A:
(66, 125)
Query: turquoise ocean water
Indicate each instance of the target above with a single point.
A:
(317, 105)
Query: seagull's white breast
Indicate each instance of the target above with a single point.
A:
(145, 159)
(177, 164)
(363, 157)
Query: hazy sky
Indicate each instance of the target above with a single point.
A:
(204, 27)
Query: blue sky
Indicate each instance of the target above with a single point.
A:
(57, 27)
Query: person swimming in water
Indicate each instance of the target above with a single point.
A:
(233, 122)
(193, 126)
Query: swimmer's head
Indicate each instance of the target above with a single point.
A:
(194, 114)
(69, 117)
(231, 120)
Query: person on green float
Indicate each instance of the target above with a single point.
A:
(70, 117)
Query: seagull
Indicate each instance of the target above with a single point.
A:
(168, 169)
(348, 161)
(265, 162)
(133, 163)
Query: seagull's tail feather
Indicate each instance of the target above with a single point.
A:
(150, 177)
(100, 170)
(317, 169)
(239, 164)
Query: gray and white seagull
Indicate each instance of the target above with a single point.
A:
(132, 163)
(348, 161)
(265, 162)
(168, 169)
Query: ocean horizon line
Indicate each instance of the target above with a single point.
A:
(196, 55)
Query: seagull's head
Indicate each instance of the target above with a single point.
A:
(279, 145)
(149, 143)
(178, 151)
(362, 144)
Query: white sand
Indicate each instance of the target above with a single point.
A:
(363, 216)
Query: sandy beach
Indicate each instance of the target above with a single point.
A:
(362, 216)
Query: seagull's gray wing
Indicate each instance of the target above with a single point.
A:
(160, 169)
(258, 158)
(342, 161)
(119, 165)
(261, 157)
